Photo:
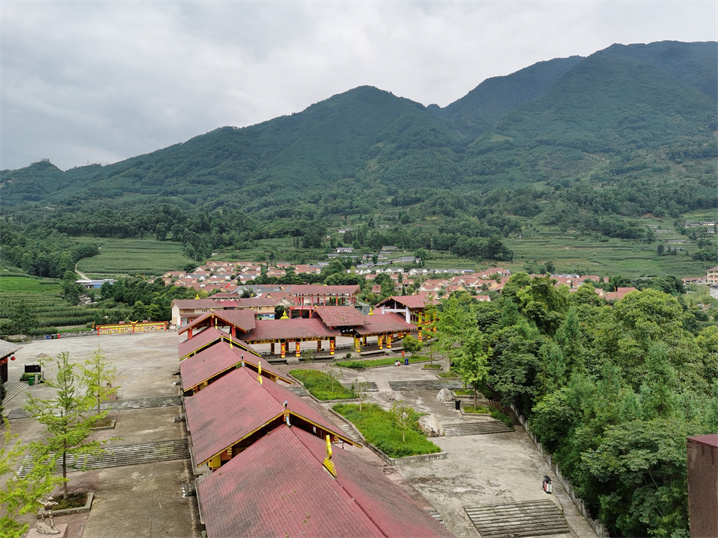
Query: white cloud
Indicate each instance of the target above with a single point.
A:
(100, 82)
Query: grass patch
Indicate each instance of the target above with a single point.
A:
(464, 392)
(322, 386)
(450, 373)
(373, 363)
(73, 500)
(432, 367)
(380, 429)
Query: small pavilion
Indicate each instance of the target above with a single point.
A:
(238, 409)
(412, 307)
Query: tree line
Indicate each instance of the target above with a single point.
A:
(611, 390)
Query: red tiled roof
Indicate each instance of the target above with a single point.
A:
(279, 487)
(194, 304)
(253, 302)
(242, 319)
(410, 301)
(384, 323)
(340, 316)
(237, 405)
(288, 329)
(217, 359)
(200, 341)
(316, 289)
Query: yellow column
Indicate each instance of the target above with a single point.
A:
(357, 344)
(380, 340)
(283, 350)
(332, 345)
(388, 341)
(298, 351)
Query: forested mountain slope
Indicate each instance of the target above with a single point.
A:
(625, 132)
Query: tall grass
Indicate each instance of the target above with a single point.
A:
(379, 427)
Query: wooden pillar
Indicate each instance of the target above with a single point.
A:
(332, 345)
(189, 333)
(364, 339)
(271, 348)
(234, 331)
(298, 351)
(380, 340)
(388, 341)
(357, 344)
(319, 345)
(283, 349)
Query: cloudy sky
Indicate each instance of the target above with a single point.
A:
(98, 82)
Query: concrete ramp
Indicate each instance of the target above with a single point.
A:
(528, 518)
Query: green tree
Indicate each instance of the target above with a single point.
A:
(67, 417)
(98, 376)
(19, 494)
(473, 362)
(403, 417)
(411, 344)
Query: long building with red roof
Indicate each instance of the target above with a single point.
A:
(237, 409)
(325, 324)
(209, 365)
(280, 486)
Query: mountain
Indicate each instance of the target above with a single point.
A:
(629, 115)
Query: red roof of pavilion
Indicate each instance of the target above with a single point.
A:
(220, 358)
(279, 487)
(209, 337)
(318, 289)
(384, 323)
(242, 319)
(410, 301)
(339, 316)
(289, 329)
(237, 405)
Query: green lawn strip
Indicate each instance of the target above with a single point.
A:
(320, 385)
(372, 363)
(379, 428)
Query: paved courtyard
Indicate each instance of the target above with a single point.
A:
(140, 494)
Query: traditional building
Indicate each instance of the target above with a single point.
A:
(326, 324)
(288, 484)
(304, 298)
(712, 276)
(238, 409)
(200, 370)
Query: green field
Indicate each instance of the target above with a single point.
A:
(121, 257)
(27, 284)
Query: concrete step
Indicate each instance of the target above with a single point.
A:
(425, 384)
(437, 516)
(475, 428)
(12, 390)
(527, 518)
(121, 455)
